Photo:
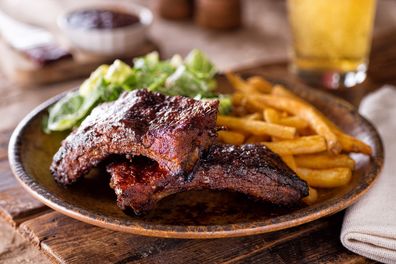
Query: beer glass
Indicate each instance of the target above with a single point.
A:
(331, 40)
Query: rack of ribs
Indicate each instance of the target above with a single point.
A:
(250, 169)
(173, 131)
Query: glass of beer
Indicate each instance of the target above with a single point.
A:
(331, 40)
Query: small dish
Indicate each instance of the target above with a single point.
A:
(108, 41)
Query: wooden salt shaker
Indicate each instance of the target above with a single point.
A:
(175, 9)
(218, 14)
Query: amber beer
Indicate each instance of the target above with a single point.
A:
(331, 39)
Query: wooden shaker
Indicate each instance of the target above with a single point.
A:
(175, 9)
(218, 14)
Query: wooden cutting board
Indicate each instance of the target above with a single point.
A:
(25, 72)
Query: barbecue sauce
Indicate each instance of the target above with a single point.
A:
(101, 19)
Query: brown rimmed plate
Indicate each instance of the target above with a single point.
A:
(198, 214)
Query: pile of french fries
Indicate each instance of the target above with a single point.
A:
(307, 141)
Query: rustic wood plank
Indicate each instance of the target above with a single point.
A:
(69, 241)
(7, 180)
(15, 249)
(22, 101)
(16, 205)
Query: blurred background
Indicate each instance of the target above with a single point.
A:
(263, 35)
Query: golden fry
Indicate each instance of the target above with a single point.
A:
(273, 116)
(329, 178)
(302, 145)
(290, 162)
(257, 128)
(239, 111)
(240, 99)
(351, 144)
(254, 116)
(304, 111)
(324, 161)
(276, 139)
(348, 143)
(294, 121)
(257, 139)
(314, 155)
(312, 196)
(239, 84)
(280, 90)
(260, 84)
(231, 137)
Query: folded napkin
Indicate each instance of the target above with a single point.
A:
(369, 227)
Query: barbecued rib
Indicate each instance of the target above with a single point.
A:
(170, 130)
(250, 169)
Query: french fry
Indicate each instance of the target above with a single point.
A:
(348, 143)
(256, 139)
(302, 145)
(257, 128)
(239, 84)
(304, 111)
(324, 161)
(276, 139)
(294, 121)
(351, 144)
(273, 116)
(314, 155)
(254, 116)
(312, 196)
(284, 114)
(290, 162)
(260, 84)
(329, 178)
(231, 137)
(280, 90)
(240, 99)
(239, 111)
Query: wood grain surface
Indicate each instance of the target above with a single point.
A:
(27, 73)
(66, 240)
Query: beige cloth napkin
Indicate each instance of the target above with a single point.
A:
(369, 227)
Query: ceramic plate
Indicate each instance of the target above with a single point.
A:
(198, 214)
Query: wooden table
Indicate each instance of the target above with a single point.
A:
(65, 240)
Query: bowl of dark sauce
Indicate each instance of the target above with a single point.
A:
(107, 29)
(88, 19)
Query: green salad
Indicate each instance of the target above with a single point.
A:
(192, 76)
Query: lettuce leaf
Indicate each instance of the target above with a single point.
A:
(192, 76)
(225, 104)
(72, 108)
(200, 65)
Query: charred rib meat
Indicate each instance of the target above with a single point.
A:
(250, 169)
(170, 130)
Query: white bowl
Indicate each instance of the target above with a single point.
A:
(116, 41)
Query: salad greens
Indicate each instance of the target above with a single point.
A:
(192, 76)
